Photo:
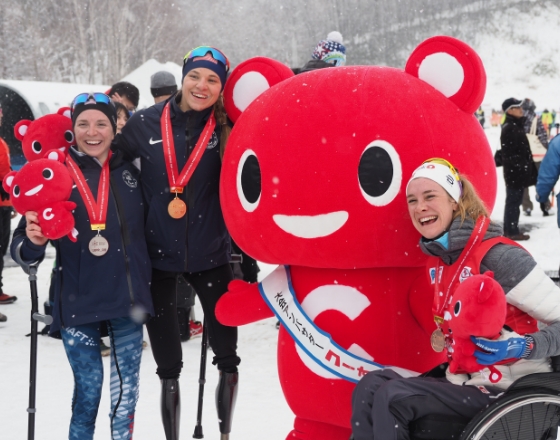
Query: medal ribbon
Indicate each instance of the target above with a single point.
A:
(475, 239)
(97, 209)
(178, 181)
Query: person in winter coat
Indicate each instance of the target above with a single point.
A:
(328, 53)
(519, 169)
(179, 142)
(549, 172)
(547, 120)
(98, 286)
(529, 107)
(459, 238)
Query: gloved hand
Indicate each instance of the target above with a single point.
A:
(3, 194)
(509, 345)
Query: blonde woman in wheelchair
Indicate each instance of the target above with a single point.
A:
(456, 230)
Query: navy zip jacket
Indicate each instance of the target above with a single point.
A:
(199, 240)
(89, 288)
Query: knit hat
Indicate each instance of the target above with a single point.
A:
(331, 50)
(443, 175)
(162, 83)
(94, 101)
(510, 103)
(209, 58)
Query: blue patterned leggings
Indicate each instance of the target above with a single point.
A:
(82, 348)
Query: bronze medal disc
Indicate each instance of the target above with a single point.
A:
(437, 340)
(177, 208)
(98, 246)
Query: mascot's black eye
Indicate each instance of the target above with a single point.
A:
(249, 181)
(36, 146)
(457, 308)
(69, 136)
(48, 174)
(379, 173)
(16, 191)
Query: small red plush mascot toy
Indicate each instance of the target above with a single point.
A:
(49, 132)
(44, 186)
(478, 308)
(313, 179)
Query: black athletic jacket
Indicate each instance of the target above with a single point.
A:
(198, 241)
(89, 288)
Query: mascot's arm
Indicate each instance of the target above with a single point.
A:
(420, 300)
(242, 304)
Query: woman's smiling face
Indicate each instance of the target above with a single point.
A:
(430, 207)
(94, 134)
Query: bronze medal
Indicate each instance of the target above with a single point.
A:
(437, 340)
(98, 246)
(177, 208)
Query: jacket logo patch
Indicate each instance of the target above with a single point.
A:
(432, 272)
(465, 273)
(129, 179)
(213, 142)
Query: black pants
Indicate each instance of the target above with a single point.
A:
(514, 197)
(384, 403)
(5, 225)
(163, 329)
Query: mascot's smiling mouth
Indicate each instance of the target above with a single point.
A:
(35, 190)
(311, 226)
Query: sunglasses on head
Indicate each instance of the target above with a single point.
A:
(202, 51)
(446, 163)
(98, 98)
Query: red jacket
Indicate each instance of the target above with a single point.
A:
(5, 166)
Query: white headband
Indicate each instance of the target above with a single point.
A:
(440, 174)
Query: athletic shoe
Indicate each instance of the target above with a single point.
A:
(105, 351)
(7, 299)
(3, 318)
(195, 328)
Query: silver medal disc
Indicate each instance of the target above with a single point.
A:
(98, 246)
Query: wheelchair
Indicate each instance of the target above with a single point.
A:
(528, 410)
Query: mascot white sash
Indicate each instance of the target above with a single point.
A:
(277, 291)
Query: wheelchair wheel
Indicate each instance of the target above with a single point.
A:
(520, 415)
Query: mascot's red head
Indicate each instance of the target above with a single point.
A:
(49, 132)
(315, 169)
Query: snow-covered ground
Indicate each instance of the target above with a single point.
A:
(261, 411)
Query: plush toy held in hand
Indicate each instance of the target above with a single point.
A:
(49, 132)
(44, 186)
(478, 308)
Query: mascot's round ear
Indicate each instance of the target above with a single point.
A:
(8, 180)
(453, 68)
(64, 111)
(248, 80)
(55, 155)
(21, 128)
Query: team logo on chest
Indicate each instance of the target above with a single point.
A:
(129, 179)
(465, 273)
(213, 142)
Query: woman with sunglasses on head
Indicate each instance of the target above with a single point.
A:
(459, 238)
(103, 279)
(180, 142)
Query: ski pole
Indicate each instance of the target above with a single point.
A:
(201, 381)
(31, 270)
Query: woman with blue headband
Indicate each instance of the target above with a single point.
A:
(180, 142)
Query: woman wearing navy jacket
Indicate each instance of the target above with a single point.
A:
(179, 142)
(104, 277)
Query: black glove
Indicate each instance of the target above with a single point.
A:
(3, 194)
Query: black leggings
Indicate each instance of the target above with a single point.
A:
(163, 329)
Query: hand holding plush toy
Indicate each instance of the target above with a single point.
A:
(49, 132)
(44, 186)
(478, 308)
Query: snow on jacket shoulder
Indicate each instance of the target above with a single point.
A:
(549, 172)
(198, 241)
(89, 288)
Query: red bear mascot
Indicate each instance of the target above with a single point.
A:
(313, 179)
(44, 186)
(49, 132)
(478, 308)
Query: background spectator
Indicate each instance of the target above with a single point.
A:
(328, 53)
(162, 85)
(125, 93)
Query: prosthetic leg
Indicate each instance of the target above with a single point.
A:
(226, 395)
(171, 408)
